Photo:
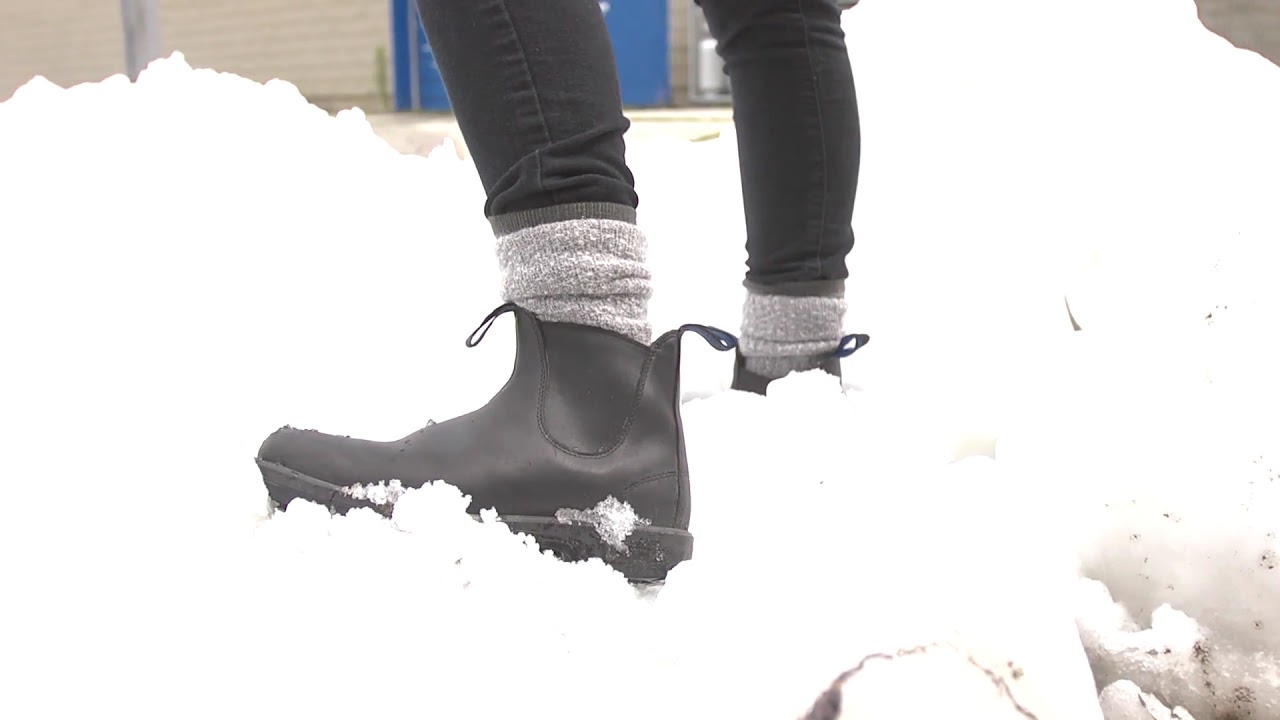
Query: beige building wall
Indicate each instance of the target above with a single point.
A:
(67, 41)
(1250, 24)
(330, 49)
(337, 51)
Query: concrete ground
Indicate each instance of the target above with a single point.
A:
(419, 133)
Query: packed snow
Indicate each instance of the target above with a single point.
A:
(612, 519)
(382, 494)
(999, 517)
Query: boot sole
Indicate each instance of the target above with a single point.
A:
(649, 553)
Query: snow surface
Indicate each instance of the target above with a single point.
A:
(192, 261)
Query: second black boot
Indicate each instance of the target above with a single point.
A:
(792, 327)
(753, 382)
(583, 449)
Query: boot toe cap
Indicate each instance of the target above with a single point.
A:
(309, 452)
(284, 446)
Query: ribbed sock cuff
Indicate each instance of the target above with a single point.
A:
(583, 270)
(784, 332)
(525, 219)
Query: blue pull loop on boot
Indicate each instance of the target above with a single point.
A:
(715, 337)
(859, 341)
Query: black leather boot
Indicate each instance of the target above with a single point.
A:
(747, 381)
(589, 419)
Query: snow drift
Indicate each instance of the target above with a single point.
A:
(1000, 517)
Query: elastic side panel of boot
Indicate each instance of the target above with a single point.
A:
(668, 363)
(592, 381)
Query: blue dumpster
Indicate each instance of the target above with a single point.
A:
(417, 79)
(637, 28)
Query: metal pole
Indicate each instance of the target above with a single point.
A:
(141, 35)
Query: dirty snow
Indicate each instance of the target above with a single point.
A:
(191, 262)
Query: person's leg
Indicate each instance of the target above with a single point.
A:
(588, 426)
(799, 144)
(535, 91)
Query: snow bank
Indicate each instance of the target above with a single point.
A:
(189, 262)
(1124, 158)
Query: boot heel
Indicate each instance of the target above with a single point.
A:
(285, 485)
(644, 557)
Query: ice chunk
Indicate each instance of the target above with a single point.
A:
(613, 519)
(383, 493)
(1123, 700)
(1176, 659)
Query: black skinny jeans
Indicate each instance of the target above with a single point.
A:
(535, 91)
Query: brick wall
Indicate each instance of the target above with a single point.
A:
(1250, 24)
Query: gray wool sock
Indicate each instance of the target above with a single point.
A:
(583, 263)
(791, 328)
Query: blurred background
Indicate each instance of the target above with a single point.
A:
(373, 54)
